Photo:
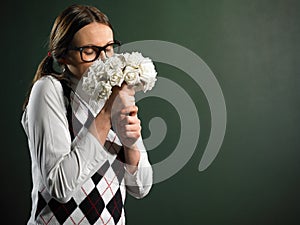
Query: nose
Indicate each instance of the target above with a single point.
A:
(102, 55)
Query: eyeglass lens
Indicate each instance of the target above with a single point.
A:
(91, 53)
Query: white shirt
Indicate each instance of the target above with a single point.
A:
(61, 168)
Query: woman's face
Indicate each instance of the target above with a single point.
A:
(95, 33)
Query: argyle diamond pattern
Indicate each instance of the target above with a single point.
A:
(100, 200)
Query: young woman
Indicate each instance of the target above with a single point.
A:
(81, 166)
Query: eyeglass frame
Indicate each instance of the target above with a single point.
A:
(100, 49)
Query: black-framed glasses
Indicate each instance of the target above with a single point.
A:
(90, 53)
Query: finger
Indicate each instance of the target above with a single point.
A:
(132, 135)
(132, 120)
(129, 135)
(124, 120)
(125, 126)
(132, 128)
(130, 110)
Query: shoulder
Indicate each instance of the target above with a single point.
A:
(47, 84)
(47, 87)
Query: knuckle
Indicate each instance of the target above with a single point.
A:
(138, 134)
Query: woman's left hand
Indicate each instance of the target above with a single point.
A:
(128, 126)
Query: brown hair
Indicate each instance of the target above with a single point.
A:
(72, 19)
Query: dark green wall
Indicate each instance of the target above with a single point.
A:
(252, 46)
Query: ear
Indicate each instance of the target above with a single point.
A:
(63, 60)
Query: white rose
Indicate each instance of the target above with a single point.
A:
(97, 71)
(148, 83)
(113, 67)
(97, 66)
(116, 79)
(148, 74)
(134, 59)
(103, 90)
(115, 62)
(131, 75)
(88, 85)
(147, 68)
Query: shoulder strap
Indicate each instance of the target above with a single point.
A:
(67, 91)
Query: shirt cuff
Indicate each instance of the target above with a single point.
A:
(139, 183)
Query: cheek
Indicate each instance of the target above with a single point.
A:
(73, 57)
(76, 66)
(79, 69)
(83, 67)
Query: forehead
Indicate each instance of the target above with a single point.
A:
(93, 34)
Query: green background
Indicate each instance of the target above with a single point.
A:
(252, 47)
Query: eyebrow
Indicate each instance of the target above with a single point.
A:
(109, 42)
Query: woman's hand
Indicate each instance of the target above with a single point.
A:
(124, 116)
(120, 98)
(120, 112)
(128, 129)
(128, 126)
(120, 104)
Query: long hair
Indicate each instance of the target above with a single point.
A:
(72, 19)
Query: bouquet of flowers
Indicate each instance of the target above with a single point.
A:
(132, 68)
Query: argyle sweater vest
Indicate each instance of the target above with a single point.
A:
(100, 200)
